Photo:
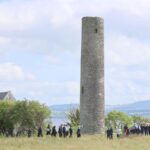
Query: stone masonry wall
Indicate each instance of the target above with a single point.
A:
(92, 76)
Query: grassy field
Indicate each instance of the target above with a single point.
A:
(95, 142)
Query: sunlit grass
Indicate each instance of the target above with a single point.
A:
(95, 142)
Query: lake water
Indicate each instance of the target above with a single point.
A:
(58, 121)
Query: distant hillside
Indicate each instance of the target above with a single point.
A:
(140, 105)
(138, 108)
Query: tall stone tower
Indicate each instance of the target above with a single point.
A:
(92, 76)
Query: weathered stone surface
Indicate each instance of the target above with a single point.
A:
(92, 76)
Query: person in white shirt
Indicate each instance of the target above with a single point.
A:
(118, 131)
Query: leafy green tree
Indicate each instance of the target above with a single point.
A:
(113, 119)
(6, 119)
(22, 115)
(40, 112)
(117, 118)
(140, 120)
(30, 114)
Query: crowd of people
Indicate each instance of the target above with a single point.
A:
(63, 131)
(110, 132)
(143, 129)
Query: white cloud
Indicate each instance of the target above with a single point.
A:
(17, 15)
(22, 15)
(46, 92)
(13, 72)
(44, 25)
(123, 50)
(127, 69)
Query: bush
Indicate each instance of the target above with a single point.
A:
(74, 117)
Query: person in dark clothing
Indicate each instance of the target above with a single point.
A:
(149, 129)
(108, 133)
(78, 132)
(125, 129)
(139, 129)
(54, 132)
(29, 133)
(146, 130)
(7, 134)
(40, 132)
(142, 129)
(64, 131)
(60, 131)
(70, 131)
(111, 133)
(48, 132)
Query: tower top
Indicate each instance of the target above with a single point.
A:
(89, 17)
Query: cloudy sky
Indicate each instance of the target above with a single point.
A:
(40, 45)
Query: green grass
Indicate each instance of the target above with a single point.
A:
(95, 142)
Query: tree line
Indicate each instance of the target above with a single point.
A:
(20, 116)
(112, 119)
(17, 117)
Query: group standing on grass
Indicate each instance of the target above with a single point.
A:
(63, 131)
(143, 129)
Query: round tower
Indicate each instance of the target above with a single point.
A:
(92, 76)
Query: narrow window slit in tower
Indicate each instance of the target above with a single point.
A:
(82, 89)
(96, 30)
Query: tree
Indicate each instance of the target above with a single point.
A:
(40, 112)
(6, 120)
(74, 117)
(113, 119)
(30, 114)
(140, 120)
(22, 115)
(118, 119)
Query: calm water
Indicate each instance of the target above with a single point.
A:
(59, 121)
